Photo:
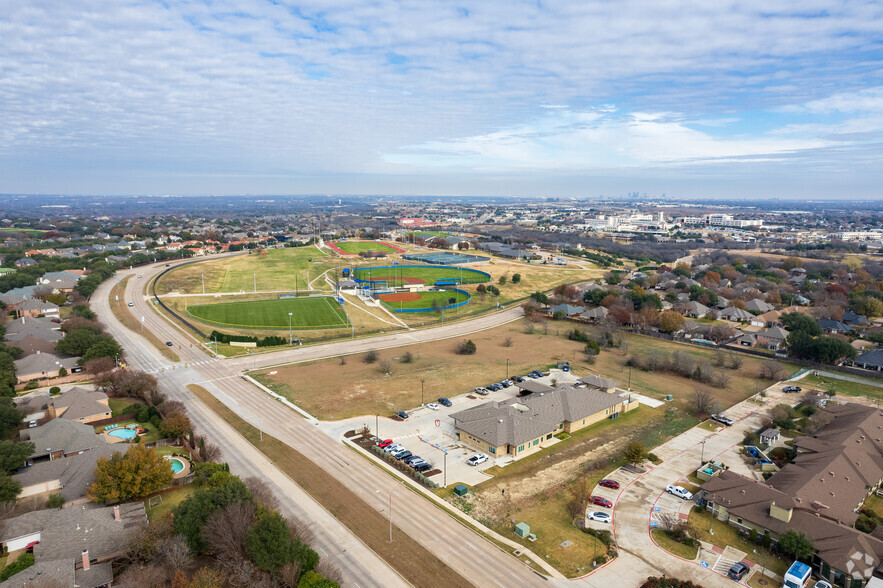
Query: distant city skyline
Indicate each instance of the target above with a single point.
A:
(502, 98)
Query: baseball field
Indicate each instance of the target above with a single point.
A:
(422, 300)
(319, 312)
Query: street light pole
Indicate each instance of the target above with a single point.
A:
(289, 329)
(507, 368)
(446, 469)
(421, 391)
(702, 459)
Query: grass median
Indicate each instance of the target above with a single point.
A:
(116, 299)
(415, 563)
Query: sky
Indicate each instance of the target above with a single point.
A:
(581, 98)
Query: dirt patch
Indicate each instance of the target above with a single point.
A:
(399, 297)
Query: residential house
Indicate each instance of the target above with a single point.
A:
(44, 365)
(735, 314)
(758, 305)
(567, 309)
(34, 307)
(767, 319)
(594, 315)
(600, 383)
(80, 404)
(747, 339)
(74, 546)
(60, 281)
(854, 319)
(834, 327)
(69, 477)
(695, 309)
(41, 328)
(519, 426)
(31, 345)
(870, 360)
(61, 438)
(773, 338)
(17, 295)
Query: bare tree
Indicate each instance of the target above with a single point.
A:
(721, 379)
(225, 529)
(580, 495)
(150, 576)
(289, 574)
(342, 360)
(241, 572)
(507, 342)
(736, 361)
(370, 357)
(720, 357)
(701, 401)
(174, 553)
(771, 370)
(407, 357)
(171, 407)
(817, 422)
(299, 531)
(261, 493)
(325, 568)
(529, 328)
(386, 367)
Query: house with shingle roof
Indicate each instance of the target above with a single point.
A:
(773, 338)
(61, 438)
(69, 477)
(81, 405)
(758, 305)
(870, 360)
(519, 426)
(41, 328)
(735, 314)
(34, 307)
(594, 315)
(567, 309)
(63, 281)
(75, 545)
(832, 327)
(818, 494)
(43, 365)
(695, 309)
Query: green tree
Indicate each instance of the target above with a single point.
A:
(190, 515)
(24, 561)
(313, 580)
(516, 278)
(502, 280)
(270, 546)
(133, 474)
(796, 544)
(104, 346)
(175, 425)
(10, 416)
(13, 455)
(670, 321)
(635, 452)
(540, 297)
(795, 321)
(77, 342)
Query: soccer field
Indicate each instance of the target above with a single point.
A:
(321, 312)
(396, 275)
(423, 300)
(353, 247)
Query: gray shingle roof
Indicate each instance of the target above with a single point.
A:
(44, 363)
(599, 382)
(75, 473)
(872, 358)
(80, 403)
(62, 434)
(42, 328)
(56, 572)
(518, 420)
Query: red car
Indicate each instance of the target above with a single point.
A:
(601, 501)
(609, 484)
(384, 443)
(30, 547)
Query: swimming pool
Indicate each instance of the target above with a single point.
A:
(122, 433)
(177, 465)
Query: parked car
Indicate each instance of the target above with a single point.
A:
(822, 584)
(422, 467)
(402, 414)
(432, 406)
(384, 443)
(791, 389)
(601, 517)
(609, 484)
(533, 376)
(476, 459)
(416, 462)
(396, 447)
(738, 570)
(29, 548)
(481, 390)
(444, 402)
(679, 491)
(601, 501)
(139, 275)
(519, 379)
(494, 387)
(538, 373)
(412, 458)
(169, 343)
(131, 304)
(400, 455)
(506, 383)
(722, 419)
(32, 424)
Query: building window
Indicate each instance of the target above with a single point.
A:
(536, 441)
(521, 448)
(739, 520)
(492, 449)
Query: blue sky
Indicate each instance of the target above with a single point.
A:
(695, 99)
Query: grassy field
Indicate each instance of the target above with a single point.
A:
(117, 405)
(361, 246)
(397, 275)
(362, 389)
(287, 269)
(322, 312)
(427, 299)
(25, 231)
(170, 500)
(672, 546)
(117, 301)
(414, 562)
(844, 386)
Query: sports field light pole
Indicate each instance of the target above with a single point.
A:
(289, 329)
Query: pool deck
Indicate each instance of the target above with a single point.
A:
(185, 471)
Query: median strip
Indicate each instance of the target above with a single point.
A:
(415, 563)
(116, 299)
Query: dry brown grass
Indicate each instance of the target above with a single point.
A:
(415, 563)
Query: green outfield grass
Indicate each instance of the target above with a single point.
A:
(360, 246)
(25, 231)
(307, 313)
(443, 298)
(398, 274)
